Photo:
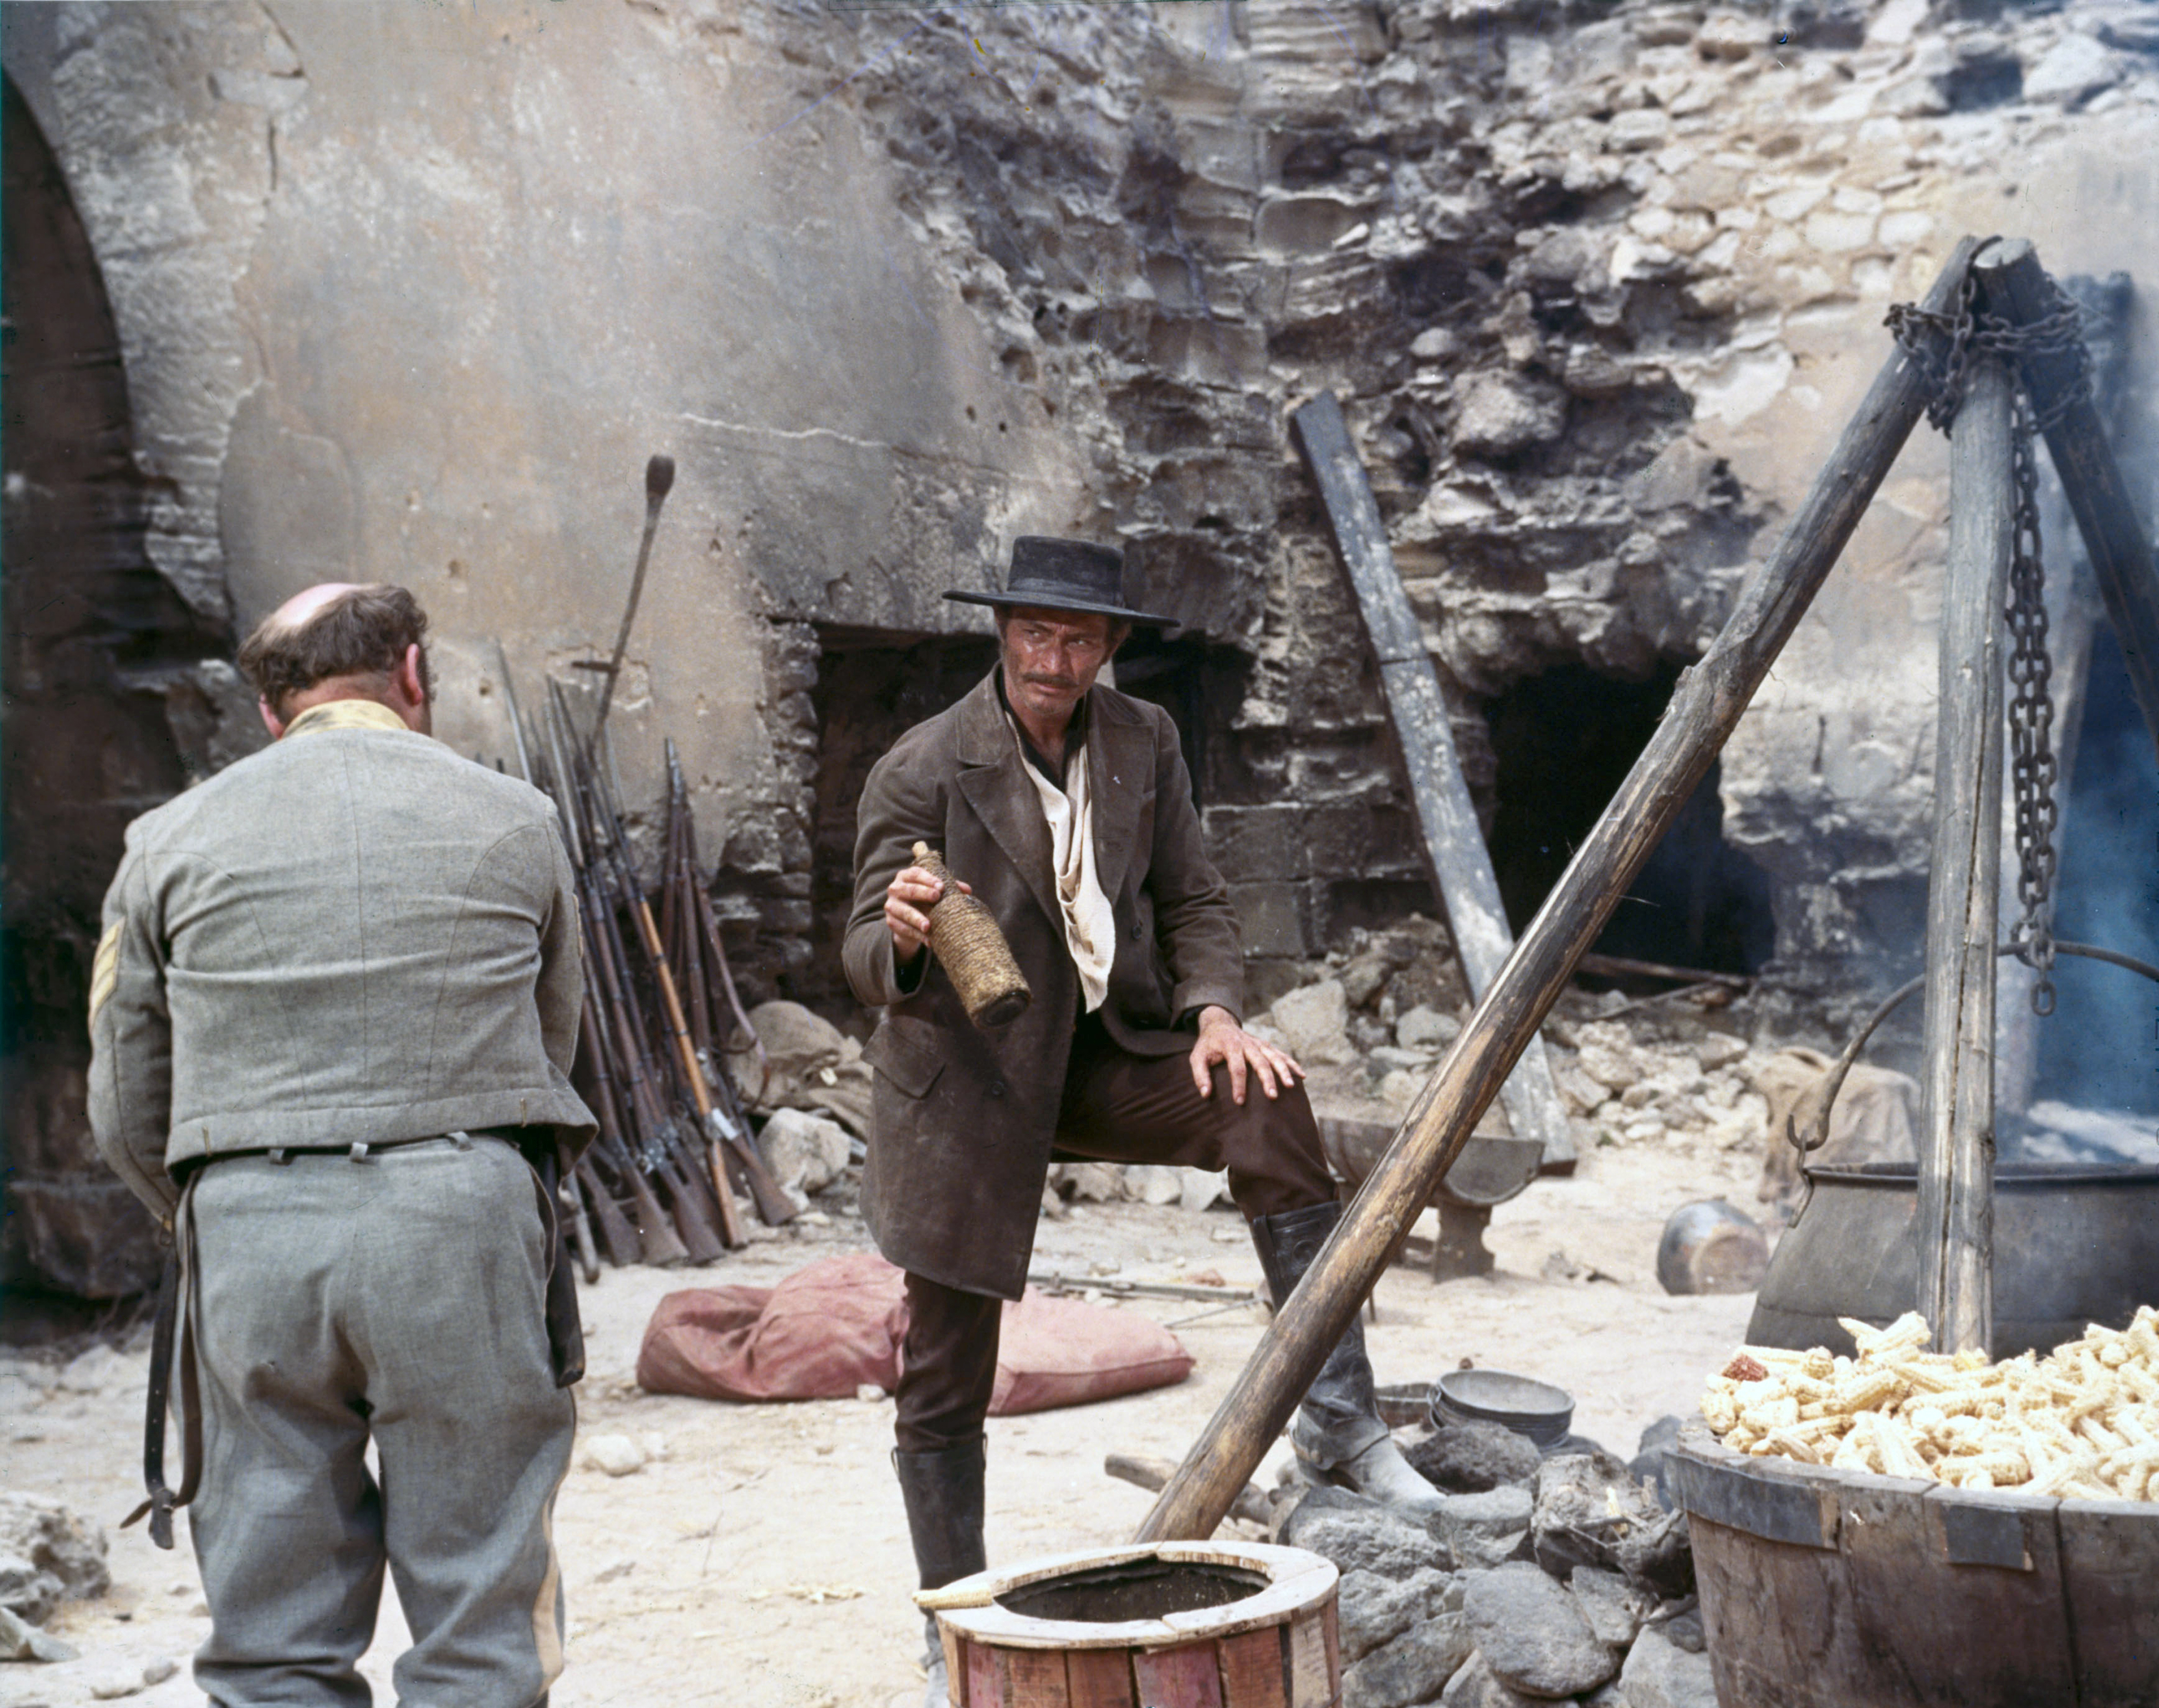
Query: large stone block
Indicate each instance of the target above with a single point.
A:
(1258, 844)
(1271, 918)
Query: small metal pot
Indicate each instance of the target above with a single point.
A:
(2073, 1245)
(1536, 1410)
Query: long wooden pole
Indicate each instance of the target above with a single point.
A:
(1460, 865)
(1956, 1150)
(2016, 287)
(1704, 706)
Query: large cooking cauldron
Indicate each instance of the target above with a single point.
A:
(2073, 1245)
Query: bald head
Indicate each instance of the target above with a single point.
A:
(341, 640)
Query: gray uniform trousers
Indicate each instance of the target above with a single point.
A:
(399, 1297)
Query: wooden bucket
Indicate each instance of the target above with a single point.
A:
(1823, 1588)
(1169, 1625)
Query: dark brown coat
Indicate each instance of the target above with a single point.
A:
(963, 1122)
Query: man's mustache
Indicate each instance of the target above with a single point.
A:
(1050, 682)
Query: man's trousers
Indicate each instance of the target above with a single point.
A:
(397, 1298)
(1123, 1108)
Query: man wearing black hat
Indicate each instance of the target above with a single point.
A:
(1065, 806)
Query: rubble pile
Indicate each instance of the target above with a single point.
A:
(47, 1555)
(1538, 1579)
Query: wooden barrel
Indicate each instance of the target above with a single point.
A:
(1165, 1625)
(1839, 1589)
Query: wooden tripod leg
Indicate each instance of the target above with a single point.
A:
(1956, 1152)
(1704, 706)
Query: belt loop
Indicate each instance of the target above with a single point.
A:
(359, 1151)
(462, 1140)
(280, 1155)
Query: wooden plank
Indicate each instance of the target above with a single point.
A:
(2018, 288)
(1760, 1500)
(1948, 1636)
(1034, 1678)
(1955, 1215)
(1255, 1669)
(1315, 1668)
(955, 1664)
(1099, 1677)
(1461, 865)
(1777, 1618)
(1179, 1678)
(985, 1682)
(1706, 706)
(2110, 1579)
(1956, 1146)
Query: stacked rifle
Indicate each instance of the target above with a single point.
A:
(659, 1185)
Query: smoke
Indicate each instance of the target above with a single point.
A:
(2100, 1048)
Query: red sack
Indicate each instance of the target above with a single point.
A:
(827, 1329)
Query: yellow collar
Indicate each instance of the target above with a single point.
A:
(347, 714)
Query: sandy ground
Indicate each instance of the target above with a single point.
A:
(761, 1558)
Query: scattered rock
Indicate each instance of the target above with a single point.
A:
(1199, 1189)
(1364, 977)
(1089, 1182)
(1371, 1610)
(1423, 1028)
(1469, 1458)
(1587, 1505)
(1684, 1631)
(2072, 72)
(38, 1529)
(27, 1590)
(1658, 1674)
(20, 1640)
(1502, 413)
(110, 1687)
(617, 1455)
(1485, 1529)
(1414, 1666)
(1652, 1460)
(101, 1368)
(1533, 1634)
(1614, 1607)
(1358, 1534)
(805, 1152)
(1476, 1686)
(613, 1570)
(1314, 1024)
(159, 1671)
(1153, 1184)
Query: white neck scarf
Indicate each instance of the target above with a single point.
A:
(1090, 929)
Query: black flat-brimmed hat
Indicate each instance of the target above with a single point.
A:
(1066, 575)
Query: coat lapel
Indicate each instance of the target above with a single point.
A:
(1003, 799)
(1120, 753)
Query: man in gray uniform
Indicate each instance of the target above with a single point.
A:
(333, 1010)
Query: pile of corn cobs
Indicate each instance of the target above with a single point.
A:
(2081, 1423)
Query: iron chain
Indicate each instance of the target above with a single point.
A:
(2030, 706)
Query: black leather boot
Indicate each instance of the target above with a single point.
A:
(1338, 1435)
(943, 1490)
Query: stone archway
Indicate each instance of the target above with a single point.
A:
(101, 659)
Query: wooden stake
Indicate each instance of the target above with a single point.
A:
(1956, 1152)
(1704, 706)
(1460, 865)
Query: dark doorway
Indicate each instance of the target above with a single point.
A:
(2096, 1050)
(87, 621)
(873, 685)
(1564, 741)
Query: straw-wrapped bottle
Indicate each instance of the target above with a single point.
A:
(965, 936)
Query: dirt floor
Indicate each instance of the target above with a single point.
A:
(760, 1559)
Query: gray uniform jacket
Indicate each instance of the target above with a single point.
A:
(352, 936)
(962, 1122)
